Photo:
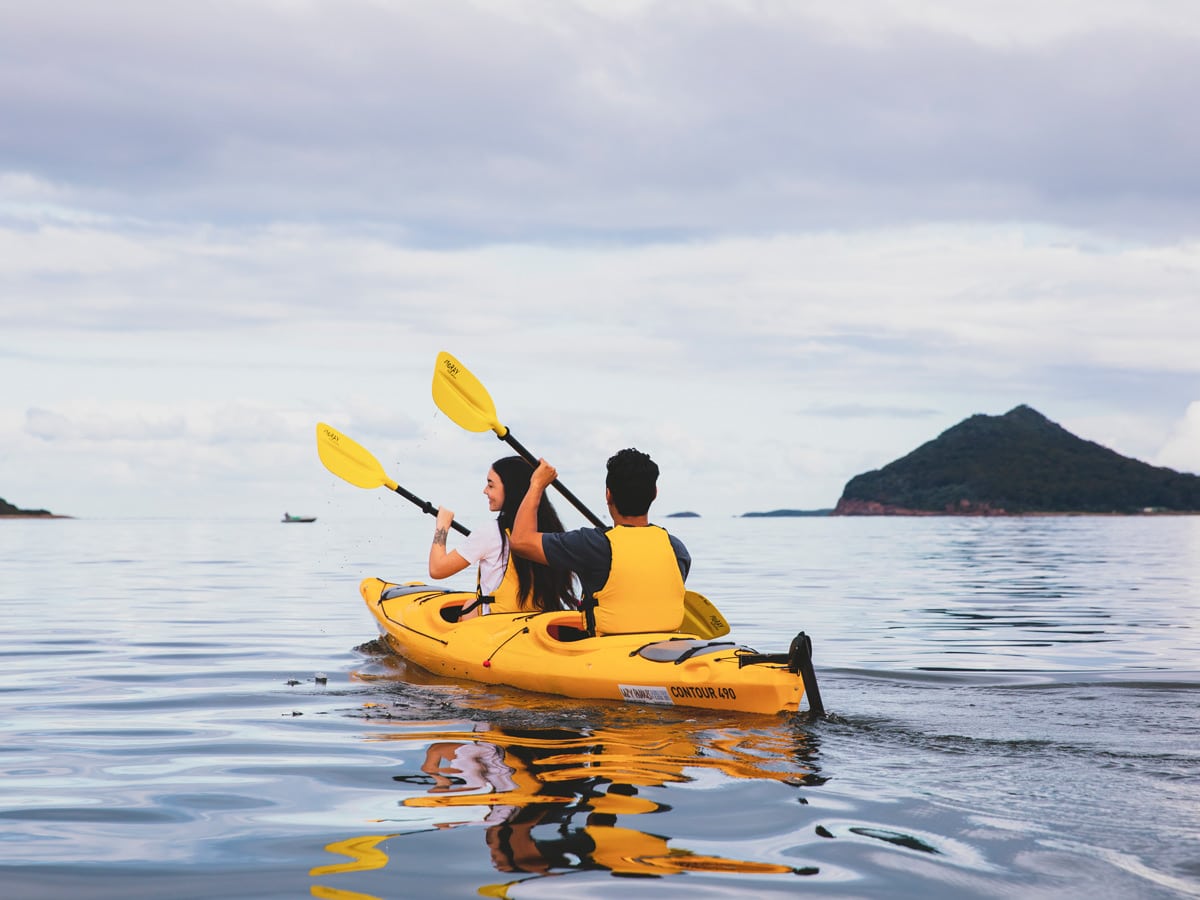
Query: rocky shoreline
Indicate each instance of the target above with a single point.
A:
(967, 509)
(875, 508)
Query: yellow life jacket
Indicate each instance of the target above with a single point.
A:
(644, 590)
(506, 597)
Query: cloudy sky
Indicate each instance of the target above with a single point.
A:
(774, 244)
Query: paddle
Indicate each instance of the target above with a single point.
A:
(352, 462)
(462, 397)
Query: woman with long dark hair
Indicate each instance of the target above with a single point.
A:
(506, 582)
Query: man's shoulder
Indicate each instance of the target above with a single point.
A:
(681, 554)
(588, 543)
(587, 536)
(675, 541)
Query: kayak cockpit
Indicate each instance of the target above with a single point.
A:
(679, 650)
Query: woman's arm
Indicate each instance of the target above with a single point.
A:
(441, 563)
(526, 540)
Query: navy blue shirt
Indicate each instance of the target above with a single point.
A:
(587, 553)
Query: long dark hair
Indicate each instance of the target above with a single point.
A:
(537, 585)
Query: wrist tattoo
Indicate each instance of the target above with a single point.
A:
(439, 537)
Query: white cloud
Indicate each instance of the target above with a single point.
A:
(748, 366)
(1004, 24)
(1182, 449)
(241, 298)
(776, 243)
(468, 123)
(49, 425)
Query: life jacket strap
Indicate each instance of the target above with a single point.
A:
(479, 598)
(588, 605)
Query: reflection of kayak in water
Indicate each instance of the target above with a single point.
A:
(622, 851)
(629, 852)
(548, 800)
(460, 766)
(548, 652)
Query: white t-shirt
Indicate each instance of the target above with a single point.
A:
(484, 546)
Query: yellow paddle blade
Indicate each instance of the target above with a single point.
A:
(701, 618)
(460, 395)
(497, 890)
(349, 460)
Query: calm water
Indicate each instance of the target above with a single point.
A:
(1014, 712)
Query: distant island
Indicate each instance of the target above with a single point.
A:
(1019, 463)
(683, 515)
(7, 509)
(787, 513)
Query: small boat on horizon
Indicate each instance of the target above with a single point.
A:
(288, 517)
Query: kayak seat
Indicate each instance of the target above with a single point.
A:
(559, 631)
(678, 650)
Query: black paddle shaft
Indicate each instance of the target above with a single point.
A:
(429, 508)
(532, 460)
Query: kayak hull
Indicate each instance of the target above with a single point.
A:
(549, 653)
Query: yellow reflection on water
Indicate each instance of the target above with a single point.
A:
(363, 851)
(573, 785)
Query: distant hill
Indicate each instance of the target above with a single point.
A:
(683, 515)
(7, 509)
(1019, 462)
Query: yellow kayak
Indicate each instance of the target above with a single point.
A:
(548, 652)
